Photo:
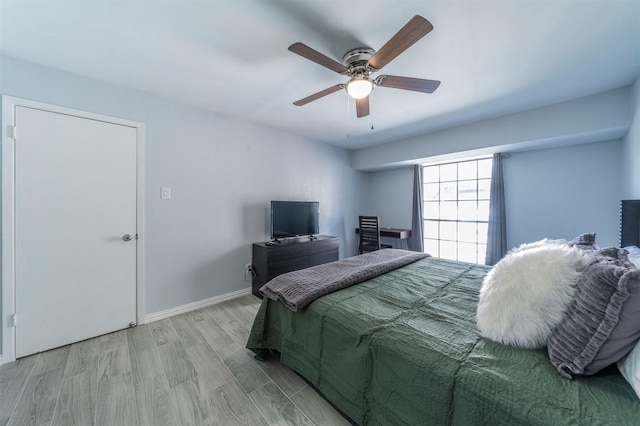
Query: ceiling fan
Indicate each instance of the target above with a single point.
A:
(359, 63)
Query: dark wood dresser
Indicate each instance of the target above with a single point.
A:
(272, 259)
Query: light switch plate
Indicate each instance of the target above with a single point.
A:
(165, 193)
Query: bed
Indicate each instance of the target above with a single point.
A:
(404, 348)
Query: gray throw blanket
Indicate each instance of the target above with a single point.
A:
(299, 288)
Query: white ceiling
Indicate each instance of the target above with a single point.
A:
(493, 57)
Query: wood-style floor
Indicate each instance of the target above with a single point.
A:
(191, 369)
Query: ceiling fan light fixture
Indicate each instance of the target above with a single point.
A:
(359, 87)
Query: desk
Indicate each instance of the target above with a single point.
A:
(396, 233)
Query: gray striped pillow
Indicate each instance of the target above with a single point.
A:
(603, 322)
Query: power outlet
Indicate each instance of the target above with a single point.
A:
(249, 274)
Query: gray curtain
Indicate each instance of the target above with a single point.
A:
(497, 234)
(416, 241)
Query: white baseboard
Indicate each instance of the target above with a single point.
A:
(157, 316)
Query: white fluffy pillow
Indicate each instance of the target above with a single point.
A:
(541, 243)
(525, 295)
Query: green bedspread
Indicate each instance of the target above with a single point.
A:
(403, 348)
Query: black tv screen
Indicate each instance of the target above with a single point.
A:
(294, 218)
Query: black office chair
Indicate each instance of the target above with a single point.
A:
(370, 234)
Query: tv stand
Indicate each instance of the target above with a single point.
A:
(272, 259)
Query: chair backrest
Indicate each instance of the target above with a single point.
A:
(369, 234)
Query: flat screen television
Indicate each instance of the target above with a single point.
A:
(294, 218)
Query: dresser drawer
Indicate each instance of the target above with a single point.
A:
(278, 268)
(277, 254)
(323, 246)
(324, 257)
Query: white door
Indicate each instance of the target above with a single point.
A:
(75, 200)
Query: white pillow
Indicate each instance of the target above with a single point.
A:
(541, 243)
(629, 366)
(525, 295)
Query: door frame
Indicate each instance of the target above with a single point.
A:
(9, 104)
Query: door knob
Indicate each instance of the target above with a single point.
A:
(126, 237)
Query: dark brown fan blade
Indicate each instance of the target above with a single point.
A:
(362, 107)
(407, 83)
(318, 95)
(413, 31)
(317, 57)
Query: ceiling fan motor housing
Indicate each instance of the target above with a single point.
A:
(357, 61)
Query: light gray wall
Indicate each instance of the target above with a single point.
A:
(631, 149)
(564, 192)
(392, 199)
(392, 193)
(554, 193)
(222, 173)
(601, 117)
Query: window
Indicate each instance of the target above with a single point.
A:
(456, 209)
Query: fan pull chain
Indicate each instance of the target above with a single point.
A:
(348, 113)
(371, 109)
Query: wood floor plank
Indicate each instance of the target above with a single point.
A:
(13, 377)
(139, 332)
(83, 357)
(240, 361)
(210, 369)
(283, 376)
(77, 401)
(317, 409)
(230, 405)
(213, 333)
(186, 329)
(116, 402)
(38, 400)
(145, 359)
(163, 332)
(238, 311)
(252, 306)
(238, 330)
(276, 407)
(199, 315)
(192, 406)
(155, 403)
(54, 359)
(113, 359)
(249, 301)
(176, 365)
